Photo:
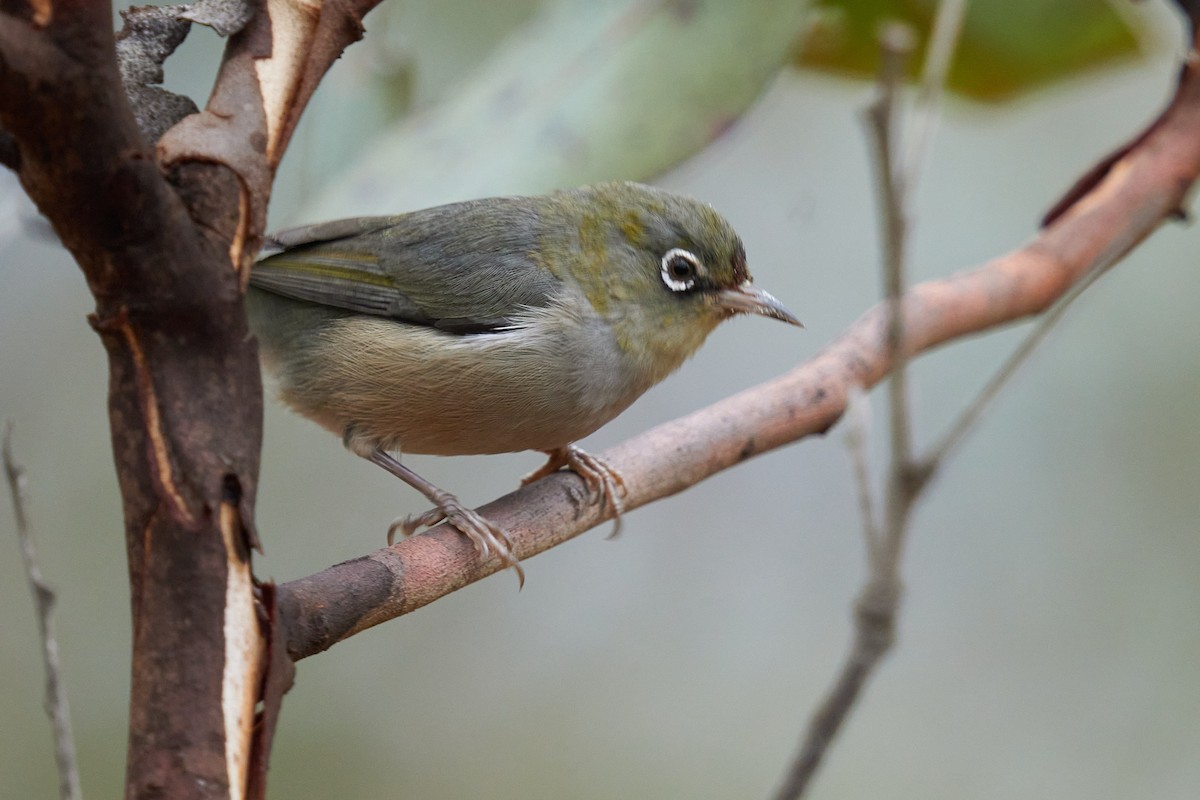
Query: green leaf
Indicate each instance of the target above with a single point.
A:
(1006, 47)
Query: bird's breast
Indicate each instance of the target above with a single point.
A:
(552, 379)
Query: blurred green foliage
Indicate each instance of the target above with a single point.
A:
(462, 99)
(581, 92)
(1005, 48)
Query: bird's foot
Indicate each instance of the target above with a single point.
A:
(489, 539)
(604, 484)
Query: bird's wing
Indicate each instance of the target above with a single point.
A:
(467, 268)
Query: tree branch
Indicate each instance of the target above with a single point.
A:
(155, 233)
(148, 37)
(879, 600)
(1147, 186)
(270, 69)
(896, 43)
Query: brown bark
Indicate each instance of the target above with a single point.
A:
(163, 239)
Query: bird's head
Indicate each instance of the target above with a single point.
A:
(663, 269)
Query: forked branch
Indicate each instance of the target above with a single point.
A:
(1145, 187)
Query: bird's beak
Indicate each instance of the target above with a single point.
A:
(749, 299)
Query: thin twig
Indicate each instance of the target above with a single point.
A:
(897, 43)
(877, 606)
(873, 632)
(875, 610)
(933, 460)
(873, 638)
(947, 25)
(43, 595)
(858, 417)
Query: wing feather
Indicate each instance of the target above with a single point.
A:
(467, 268)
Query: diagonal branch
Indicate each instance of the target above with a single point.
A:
(1147, 186)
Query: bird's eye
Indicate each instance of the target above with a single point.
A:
(680, 269)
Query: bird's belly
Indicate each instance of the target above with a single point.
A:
(418, 390)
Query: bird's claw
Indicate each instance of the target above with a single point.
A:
(487, 537)
(604, 484)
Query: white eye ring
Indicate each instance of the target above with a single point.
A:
(670, 269)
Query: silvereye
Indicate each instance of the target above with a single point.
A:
(495, 326)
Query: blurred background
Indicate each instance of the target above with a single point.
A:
(1049, 643)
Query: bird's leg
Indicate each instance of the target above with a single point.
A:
(487, 537)
(604, 484)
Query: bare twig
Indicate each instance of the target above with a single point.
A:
(879, 601)
(828, 719)
(874, 633)
(896, 43)
(947, 25)
(858, 416)
(875, 614)
(43, 596)
(954, 436)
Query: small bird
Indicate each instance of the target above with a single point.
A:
(494, 326)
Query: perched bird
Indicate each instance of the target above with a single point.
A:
(495, 326)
